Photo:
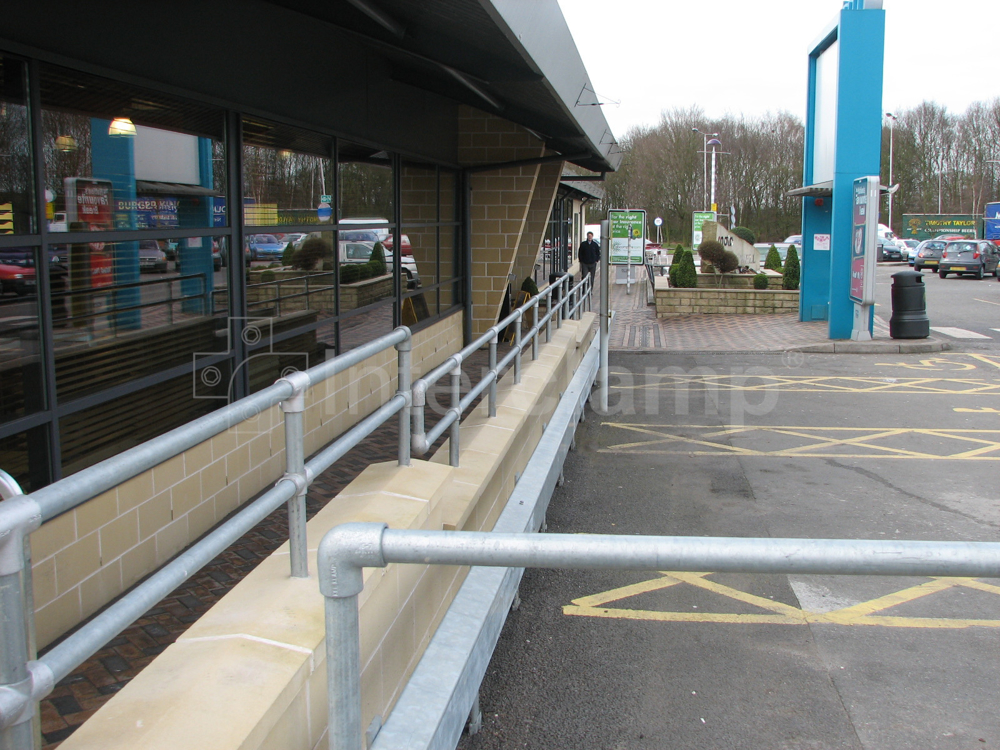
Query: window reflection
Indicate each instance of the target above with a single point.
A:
(366, 185)
(21, 390)
(16, 202)
(124, 310)
(287, 175)
(118, 157)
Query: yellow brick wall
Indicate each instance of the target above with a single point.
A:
(500, 203)
(262, 666)
(537, 221)
(86, 557)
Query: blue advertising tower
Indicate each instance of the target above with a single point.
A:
(843, 142)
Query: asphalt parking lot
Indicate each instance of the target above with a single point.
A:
(833, 446)
(968, 310)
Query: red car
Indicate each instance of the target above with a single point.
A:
(404, 242)
(19, 280)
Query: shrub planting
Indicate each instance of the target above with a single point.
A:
(687, 275)
(745, 234)
(529, 286)
(728, 262)
(773, 260)
(313, 250)
(288, 255)
(377, 260)
(760, 281)
(790, 274)
(350, 273)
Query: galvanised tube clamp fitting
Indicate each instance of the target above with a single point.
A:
(343, 553)
(16, 706)
(301, 482)
(19, 516)
(406, 344)
(300, 382)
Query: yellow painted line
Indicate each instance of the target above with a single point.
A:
(640, 614)
(984, 358)
(624, 592)
(823, 384)
(988, 302)
(783, 614)
(828, 443)
(980, 410)
(845, 615)
(728, 591)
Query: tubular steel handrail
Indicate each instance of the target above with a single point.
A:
(424, 439)
(25, 680)
(347, 549)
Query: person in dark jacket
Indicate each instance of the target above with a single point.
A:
(590, 255)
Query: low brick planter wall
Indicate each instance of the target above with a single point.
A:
(321, 290)
(723, 301)
(737, 280)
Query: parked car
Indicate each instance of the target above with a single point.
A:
(969, 257)
(151, 257)
(404, 244)
(888, 250)
(360, 252)
(264, 247)
(928, 254)
(16, 279)
(911, 249)
(295, 238)
(795, 239)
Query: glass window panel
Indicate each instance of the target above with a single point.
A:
(282, 348)
(21, 382)
(16, 200)
(419, 305)
(25, 456)
(360, 327)
(287, 175)
(366, 184)
(94, 434)
(122, 157)
(126, 310)
(300, 292)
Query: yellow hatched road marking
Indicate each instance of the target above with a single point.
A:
(819, 383)
(815, 442)
(783, 614)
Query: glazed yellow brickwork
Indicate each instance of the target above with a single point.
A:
(501, 203)
(86, 557)
(257, 657)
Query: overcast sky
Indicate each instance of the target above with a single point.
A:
(749, 56)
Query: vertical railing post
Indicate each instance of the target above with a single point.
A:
(534, 327)
(295, 470)
(548, 314)
(19, 516)
(404, 379)
(340, 582)
(492, 400)
(517, 346)
(558, 292)
(456, 405)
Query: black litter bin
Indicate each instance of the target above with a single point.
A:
(909, 307)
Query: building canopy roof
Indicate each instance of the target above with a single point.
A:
(511, 58)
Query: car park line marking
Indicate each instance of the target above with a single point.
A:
(988, 302)
(958, 333)
(815, 384)
(930, 364)
(980, 410)
(923, 444)
(990, 360)
(863, 613)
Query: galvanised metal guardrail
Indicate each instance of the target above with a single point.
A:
(348, 548)
(570, 302)
(25, 680)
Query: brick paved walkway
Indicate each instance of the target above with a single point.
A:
(636, 328)
(78, 697)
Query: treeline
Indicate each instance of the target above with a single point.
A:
(943, 162)
(759, 161)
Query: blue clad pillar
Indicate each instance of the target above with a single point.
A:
(858, 144)
(113, 158)
(195, 254)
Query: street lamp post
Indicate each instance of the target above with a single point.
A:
(704, 171)
(713, 143)
(892, 120)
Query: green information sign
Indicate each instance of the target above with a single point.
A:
(929, 226)
(697, 223)
(628, 236)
